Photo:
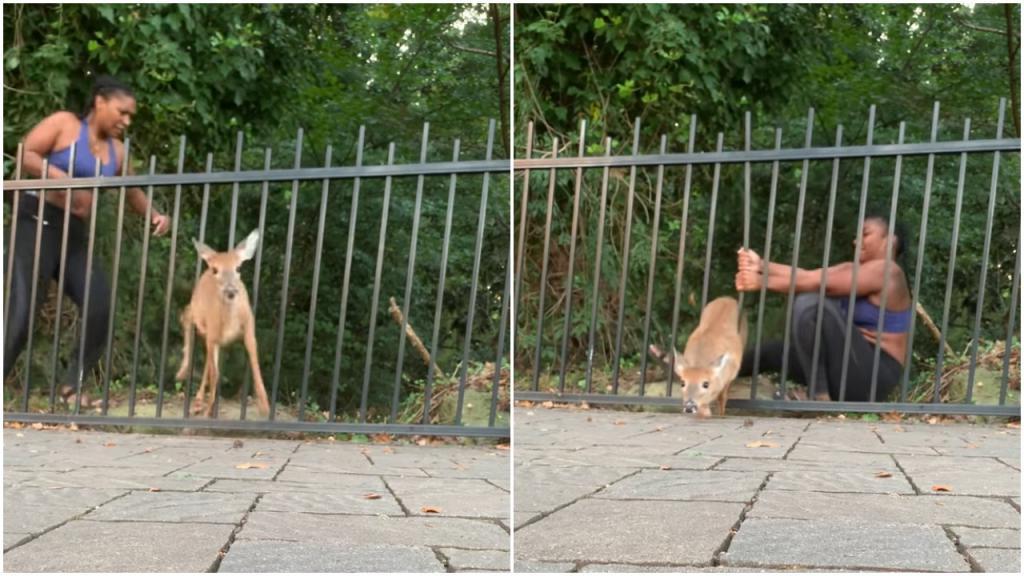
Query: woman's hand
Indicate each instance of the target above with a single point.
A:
(747, 260)
(747, 281)
(161, 222)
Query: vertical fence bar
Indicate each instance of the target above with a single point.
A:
(79, 373)
(234, 196)
(476, 276)
(597, 268)
(856, 258)
(500, 359)
(808, 136)
(523, 201)
(168, 291)
(625, 262)
(920, 257)
(61, 276)
(316, 283)
(826, 259)
(125, 163)
(199, 265)
(353, 211)
(428, 390)
(650, 270)
(140, 301)
(711, 225)
(33, 294)
(14, 229)
(293, 208)
(410, 273)
(232, 224)
(1008, 343)
(567, 326)
(984, 256)
(767, 258)
(376, 286)
(544, 269)
(886, 269)
(740, 314)
(680, 259)
(951, 267)
(256, 273)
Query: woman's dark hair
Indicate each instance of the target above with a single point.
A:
(899, 249)
(106, 86)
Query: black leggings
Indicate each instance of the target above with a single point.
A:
(16, 331)
(830, 354)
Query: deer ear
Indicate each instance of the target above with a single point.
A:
(247, 248)
(721, 362)
(678, 360)
(204, 251)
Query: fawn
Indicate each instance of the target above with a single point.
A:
(712, 357)
(220, 312)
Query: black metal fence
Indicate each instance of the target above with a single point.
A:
(382, 186)
(558, 357)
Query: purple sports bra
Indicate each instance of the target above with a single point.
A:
(865, 315)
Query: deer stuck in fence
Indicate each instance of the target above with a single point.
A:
(221, 313)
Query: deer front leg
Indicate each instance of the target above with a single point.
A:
(254, 364)
(186, 353)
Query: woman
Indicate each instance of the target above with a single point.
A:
(97, 136)
(876, 238)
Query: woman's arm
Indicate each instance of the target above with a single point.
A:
(138, 201)
(838, 278)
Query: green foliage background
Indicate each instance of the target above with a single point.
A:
(610, 65)
(207, 72)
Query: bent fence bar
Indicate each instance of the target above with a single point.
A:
(538, 378)
(344, 374)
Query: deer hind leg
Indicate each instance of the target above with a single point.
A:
(197, 404)
(186, 353)
(213, 362)
(254, 364)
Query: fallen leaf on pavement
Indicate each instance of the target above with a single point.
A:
(502, 446)
(748, 423)
(548, 404)
(584, 406)
(372, 496)
(883, 475)
(1013, 424)
(664, 467)
(762, 444)
(73, 427)
(892, 417)
(389, 449)
(941, 488)
(248, 465)
(109, 445)
(619, 422)
(154, 489)
(37, 426)
(430, 510)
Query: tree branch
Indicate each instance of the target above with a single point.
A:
(1010, 62)
(502, 82)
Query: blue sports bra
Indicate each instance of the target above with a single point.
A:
(865, 315)
(85, 161)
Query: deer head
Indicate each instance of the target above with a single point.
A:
(223, 266)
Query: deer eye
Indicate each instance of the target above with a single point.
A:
(705, 385)
(215, 270)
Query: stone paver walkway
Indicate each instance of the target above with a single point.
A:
(103, 502)
(606, 491)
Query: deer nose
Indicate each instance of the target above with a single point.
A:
(230, 294)
(690, 407)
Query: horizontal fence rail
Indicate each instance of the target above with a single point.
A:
(378, 231)
(586, 265)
